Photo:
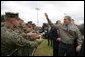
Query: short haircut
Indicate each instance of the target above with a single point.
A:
(67, 17)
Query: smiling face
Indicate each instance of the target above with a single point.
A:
(12, 23)
(67, 19)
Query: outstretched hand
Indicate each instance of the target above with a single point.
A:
(49, 21)
(46, 15)
(78, 48)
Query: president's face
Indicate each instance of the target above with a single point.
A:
(66, 21)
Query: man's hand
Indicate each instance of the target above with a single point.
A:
(46, 15)
(78, 48)
(58, 39)
(49, 21)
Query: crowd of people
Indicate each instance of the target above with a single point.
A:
(18, 38)
(66, 37)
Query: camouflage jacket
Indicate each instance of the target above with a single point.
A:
(68, 36)
(10, 40)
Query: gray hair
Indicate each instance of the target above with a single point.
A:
(67, 17)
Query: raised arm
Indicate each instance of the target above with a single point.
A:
(49, 21)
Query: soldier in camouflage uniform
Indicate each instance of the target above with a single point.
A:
(68, 33)
(13, 41)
